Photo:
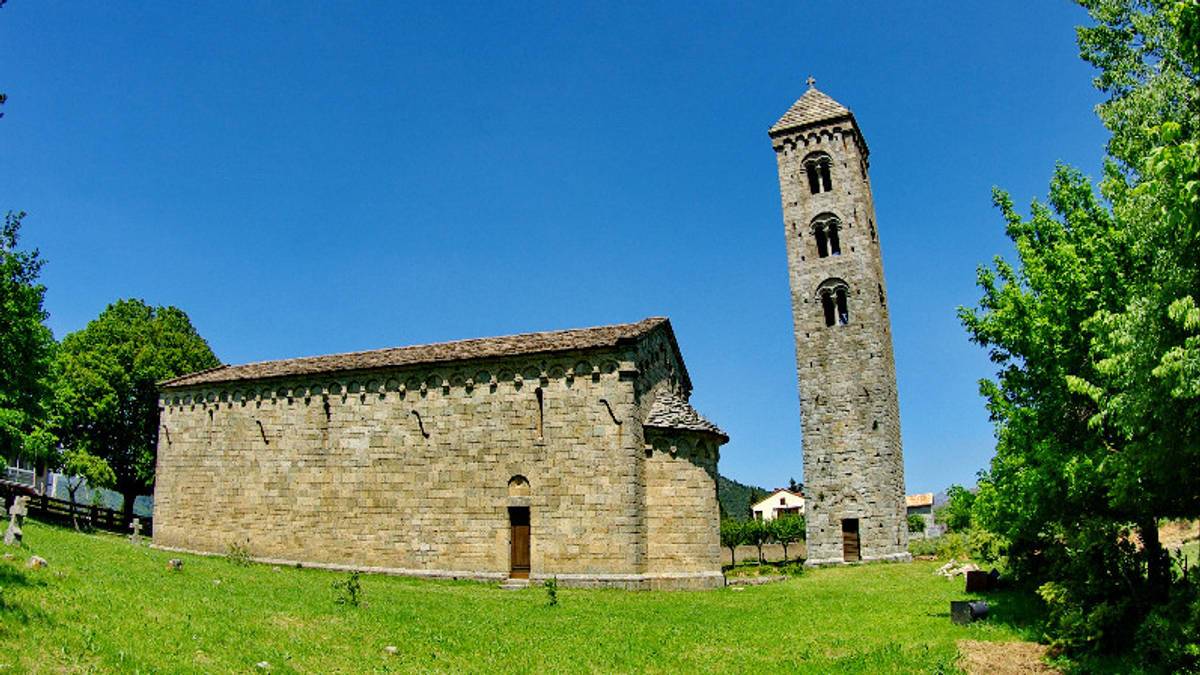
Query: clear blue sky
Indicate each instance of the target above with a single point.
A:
(308, 178)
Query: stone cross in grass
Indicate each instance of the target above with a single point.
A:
(136, 526)
(17, 512)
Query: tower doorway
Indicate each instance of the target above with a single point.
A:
(518, 518)
(850, 552)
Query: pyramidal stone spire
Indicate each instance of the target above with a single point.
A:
(813, 107)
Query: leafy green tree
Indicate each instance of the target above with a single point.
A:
(84, 468)
(955, 514)
(916, 523)
(733, 535)
(787, 529)
(757, 534)
(26, 344)
(1098, 346)
(106, 396)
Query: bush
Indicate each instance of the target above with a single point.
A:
(916, 523)
(551, 586)
(238, 554)
(349, 590)
(974, 544)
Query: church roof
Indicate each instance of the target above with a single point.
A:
(670, 411)
(441, 352)
(813, 107)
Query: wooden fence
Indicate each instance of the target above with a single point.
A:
(58, 511)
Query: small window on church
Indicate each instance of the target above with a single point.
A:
(822, 243)
(880, 294)
(541, 413)
(842, 310)
(872, 227)
(826, 180)
(782, 501)
(827, 305)
(835, 245)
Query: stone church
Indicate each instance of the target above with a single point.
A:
(853, 467)
(571, 454)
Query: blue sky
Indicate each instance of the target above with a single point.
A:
(306, 178)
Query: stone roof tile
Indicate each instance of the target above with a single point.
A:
(442, 352)
(670, 411)
(814, 106)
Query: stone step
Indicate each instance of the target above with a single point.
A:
(514, 584)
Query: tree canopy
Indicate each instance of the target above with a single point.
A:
(1096, 336)
(106, 375)
(26, 344)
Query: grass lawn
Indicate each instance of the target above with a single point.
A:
(105, 604)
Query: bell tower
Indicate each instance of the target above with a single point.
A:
(853, 465)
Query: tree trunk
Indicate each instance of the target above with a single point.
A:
(784, 544)
(74, 518)
(1157, 564)
(128, 495)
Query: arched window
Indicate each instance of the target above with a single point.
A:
(835, 245)
(825, 229)
(842, 309)
(818, 166)
(822, 242)
(835, 301)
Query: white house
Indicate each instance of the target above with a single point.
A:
(781, 502)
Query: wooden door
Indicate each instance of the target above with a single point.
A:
(518, 517)
(850, 551)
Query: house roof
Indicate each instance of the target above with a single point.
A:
(775, 494)
(923, 499)
(669, 411)
(813, 107)
(441, 352)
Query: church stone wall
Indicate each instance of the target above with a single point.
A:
(853, 466)
(408, 472)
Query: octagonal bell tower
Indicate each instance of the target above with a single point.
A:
(853, 465)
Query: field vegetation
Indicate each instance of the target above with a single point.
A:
(105, 604)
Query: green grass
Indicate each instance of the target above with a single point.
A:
(104, 604)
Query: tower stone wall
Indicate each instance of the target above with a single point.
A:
(853, 465)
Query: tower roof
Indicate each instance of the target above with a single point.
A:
(811, 108)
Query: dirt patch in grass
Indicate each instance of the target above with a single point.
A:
(1002, 658)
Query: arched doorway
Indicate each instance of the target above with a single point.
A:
(518, 521)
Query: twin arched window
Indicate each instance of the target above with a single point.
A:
(817, 166)
(825, 230)
(835, 303)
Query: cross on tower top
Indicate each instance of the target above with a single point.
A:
(812, 81)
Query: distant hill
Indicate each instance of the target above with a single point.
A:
(736, 497)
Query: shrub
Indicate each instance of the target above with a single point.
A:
(551, 586)
(916, 523)
(238, 554)
(349, 590)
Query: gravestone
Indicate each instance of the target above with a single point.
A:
(16, 512)
(136, 526)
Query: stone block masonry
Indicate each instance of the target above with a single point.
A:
(846, 373)
(414, 460)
